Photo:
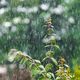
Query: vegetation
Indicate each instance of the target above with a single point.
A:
(47, 34)
(49, 68)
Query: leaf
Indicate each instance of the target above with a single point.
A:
(50, 53)
(47, 45)
(45, 58)
(17, 58)
(42, 67)
(35, 72)
(52, 75)
(37, 61)
(11, 58)
(48, 67)
(48, 75)
(24, 55)
(54, 61)
(22, 60)
(58, 78)
(12, 54)
(56, 46)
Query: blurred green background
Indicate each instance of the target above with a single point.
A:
(22, 27)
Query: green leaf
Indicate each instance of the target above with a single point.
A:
(52, 75)
(17, 58)
(48, 75)
(22, 60)
(35, 72)
(50, 53)
(37, 62)
(48, 67)
(45, 58)
(54, 61)
(42, 67)
(56, 46)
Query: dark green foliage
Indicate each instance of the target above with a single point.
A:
(26, 27)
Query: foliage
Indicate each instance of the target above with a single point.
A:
(22, 27)
(39, 71)
(43, 70)
(63, 73)
(76, 75)
(71, 39)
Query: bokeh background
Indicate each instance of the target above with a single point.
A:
(22, 27)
